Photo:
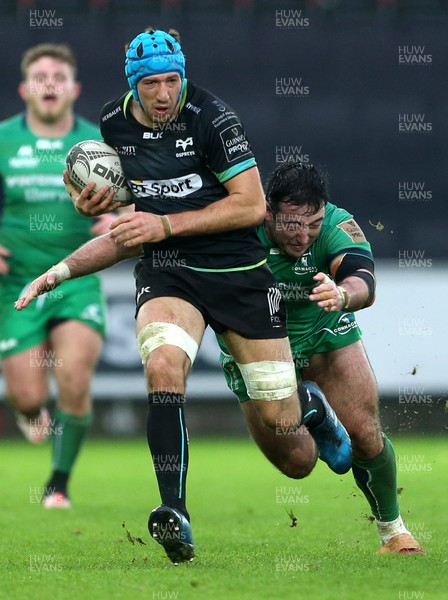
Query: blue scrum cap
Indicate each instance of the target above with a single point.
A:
(152, 53)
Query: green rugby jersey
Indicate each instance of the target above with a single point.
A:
(340, 234)
(38, 223)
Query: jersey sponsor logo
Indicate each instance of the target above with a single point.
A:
(179, 187)
(39, 187)
(111, 114)
(151, 135)
(49, 145)
(126, 150)
(184, 143)
(234, 143)
(40, 179)
(274, 299)
(353, 230)
(24, 158)
(44, 151)
(304, 265)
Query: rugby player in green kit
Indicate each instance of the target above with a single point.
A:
(63, 331)
(306, 238)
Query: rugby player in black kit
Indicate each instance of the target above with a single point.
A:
(198, 198)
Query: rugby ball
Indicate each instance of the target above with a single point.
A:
(94, 160)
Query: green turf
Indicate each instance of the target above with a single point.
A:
(246, 548)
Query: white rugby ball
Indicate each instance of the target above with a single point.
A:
(94, 160)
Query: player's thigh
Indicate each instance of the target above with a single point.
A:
(26, 377)
(23, 350)
(246, 350)
(76, 348)
(347, 379)
(169, 309)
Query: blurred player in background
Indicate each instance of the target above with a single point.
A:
(307, 238)
(62, 332)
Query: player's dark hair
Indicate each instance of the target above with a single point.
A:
(295, 182)
(60, 51)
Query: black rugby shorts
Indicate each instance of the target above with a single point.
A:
(247, 302)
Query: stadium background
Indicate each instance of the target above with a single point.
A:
(358, 87)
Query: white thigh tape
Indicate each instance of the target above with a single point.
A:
(269, 380)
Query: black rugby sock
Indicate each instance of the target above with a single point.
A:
(168, 442)
(57, 483)
(313, 413)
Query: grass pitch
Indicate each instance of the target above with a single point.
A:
(242, 510)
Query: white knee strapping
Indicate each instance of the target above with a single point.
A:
(158, 334)
(269, 380)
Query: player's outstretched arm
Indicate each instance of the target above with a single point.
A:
(94, 256)
(41, 285)
(91, 206)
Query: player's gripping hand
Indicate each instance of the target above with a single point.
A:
(88, 204)
(327, 294)
(4, 267)
(133, 229)
(43, 284)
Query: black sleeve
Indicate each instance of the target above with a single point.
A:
(352, 263)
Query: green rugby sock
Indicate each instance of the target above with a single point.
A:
(69, 432)
(377, 478)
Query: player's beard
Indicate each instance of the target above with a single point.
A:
(52, 115)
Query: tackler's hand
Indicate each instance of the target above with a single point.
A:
(328, 295)
(43, 284)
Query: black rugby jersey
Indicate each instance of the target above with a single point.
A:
(181, 167)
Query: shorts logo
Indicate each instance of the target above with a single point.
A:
(234, 143)
(346, 323)
(92, 312)
(143, 290)
(274, 299)
(6, 345)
